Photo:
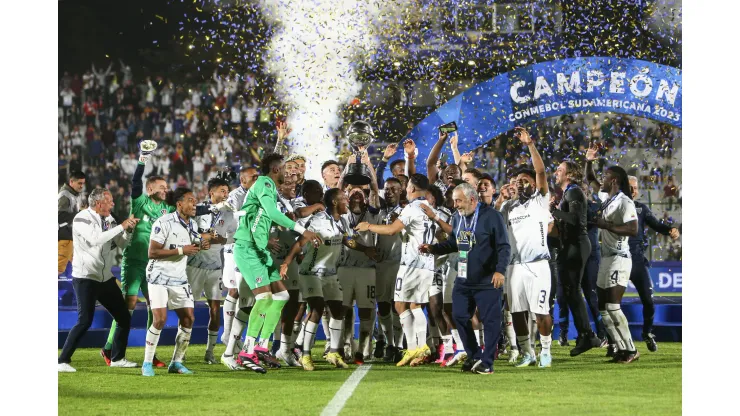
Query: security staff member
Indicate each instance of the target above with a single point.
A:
(480, 236)
(640, 275)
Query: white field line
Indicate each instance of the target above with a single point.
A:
(345, 392)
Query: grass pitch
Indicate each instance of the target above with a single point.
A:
(582, 385)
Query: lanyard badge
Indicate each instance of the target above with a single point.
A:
(465, 242)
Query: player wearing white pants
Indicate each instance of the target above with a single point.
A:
(527, 285)
(619, 222)
(417, 270)
(172, 240)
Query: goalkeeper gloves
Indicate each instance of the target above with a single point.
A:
(146, 148)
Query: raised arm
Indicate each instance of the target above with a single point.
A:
(84, 229)
(537, 163)
(393, 228)
(591, 155)
(433, 158)
(409, 153)
(657, 225)
(455, 151)
(282, 132)
(137, 185)
(374, 200)
(388, 153)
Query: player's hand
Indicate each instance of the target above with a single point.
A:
(425, 249)
(363, 226)
(130, 223)
(205, 243)
(497, 280)
(602, 223)
(282, 129)
(313, 238)
(505, 192)
(429, 211)
(409, 147)
(365, 158)
(221, 207)
(591, 153)
(523, 135)
(443, 135)
(273, 245)
(291, 215)
(190, 250)
(453, 140)
(674, 233)
(284, 271)
(389, 151)
(317, 207)
(466, 157)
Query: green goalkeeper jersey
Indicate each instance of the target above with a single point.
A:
(260, 212)
(144, 208)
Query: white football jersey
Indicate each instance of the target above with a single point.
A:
(419, 229)
(210, 259)
(286, 237)
(446, 216)
(231, 219)
(618, 210)
(172, 232)
(324, 260)
(389, 246)
(526, 224)
(354, 258)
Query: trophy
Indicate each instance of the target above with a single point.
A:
(359, 136)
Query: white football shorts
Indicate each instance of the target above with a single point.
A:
(528, 288)
(412, 285)
(208, 281)
(172, 297)
(358, 283)
(614, 271)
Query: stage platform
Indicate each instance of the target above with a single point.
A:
(667, 323)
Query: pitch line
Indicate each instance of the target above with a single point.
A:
(345, 392)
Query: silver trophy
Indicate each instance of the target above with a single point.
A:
(359, 136)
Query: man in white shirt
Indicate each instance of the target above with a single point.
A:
(528, 282)
(174, 237)
(96, 238)
(619, 221)
(416, 272)
(205, 269)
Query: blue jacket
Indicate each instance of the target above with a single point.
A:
(645, 216)
(490, 253)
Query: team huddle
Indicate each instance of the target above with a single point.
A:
(293, 253)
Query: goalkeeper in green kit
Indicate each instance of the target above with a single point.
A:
(255, 263)
(147, 207)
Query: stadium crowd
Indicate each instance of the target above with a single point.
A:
(110, 132)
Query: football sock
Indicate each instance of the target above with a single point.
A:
(212, 339)
(397, 330)
(301, 335)
(447, 341)
(273, 314)
(420, 327)
(458, 341)
(386, 327)
(229, 312)
(240, 321)
(614, 337)
(325, 325)
(532, 330)
(407, 324)
(621, 326)
(366, 330)
(510, 334)
(152, 339)
(477, 336)
(182, 340)
(546, 341)
(524, 344)
(309, 335)
(335, 329)
(258, 315)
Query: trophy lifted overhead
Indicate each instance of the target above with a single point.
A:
(359, 135)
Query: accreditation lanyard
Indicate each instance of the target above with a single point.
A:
(189, 228)
(214, 219)
(465, 235)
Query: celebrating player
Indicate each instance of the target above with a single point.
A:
(528, 282)
(254, 260)
(619, 222)
(205, 268)
(416, 272)
(174, 237)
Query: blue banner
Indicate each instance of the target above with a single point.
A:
(550, 89)
(666, 277)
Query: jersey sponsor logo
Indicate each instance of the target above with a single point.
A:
(257, 219)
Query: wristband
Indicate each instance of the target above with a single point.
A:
(179, 251)
(297, 228)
